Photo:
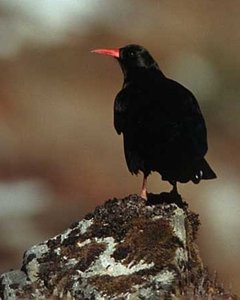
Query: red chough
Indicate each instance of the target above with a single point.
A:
(161, 122)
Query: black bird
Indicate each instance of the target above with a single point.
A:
(161, 122)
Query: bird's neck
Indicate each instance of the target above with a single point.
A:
(141, 74)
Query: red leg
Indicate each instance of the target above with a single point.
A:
(144, 188)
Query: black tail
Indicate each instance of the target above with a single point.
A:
(203, 171)
(208, 173)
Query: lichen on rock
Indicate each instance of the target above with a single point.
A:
(125, 249)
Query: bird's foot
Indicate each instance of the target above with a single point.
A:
(174, 192)
(165, 197)
(143, 194)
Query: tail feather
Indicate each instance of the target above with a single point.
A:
(204, 171)
(208, 173)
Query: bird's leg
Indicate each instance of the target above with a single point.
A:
(144, 188)
(174, 189)
(175, 196)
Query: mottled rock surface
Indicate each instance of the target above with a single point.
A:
(125, 249)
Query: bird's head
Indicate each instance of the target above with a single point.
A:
(130, 57)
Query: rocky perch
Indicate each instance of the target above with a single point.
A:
(125, 249)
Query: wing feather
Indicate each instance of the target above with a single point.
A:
(120, 111)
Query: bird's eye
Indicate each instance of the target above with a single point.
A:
(131, 53)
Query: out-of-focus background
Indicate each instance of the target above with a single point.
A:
(59, 153)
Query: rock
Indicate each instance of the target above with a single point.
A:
(125, 249)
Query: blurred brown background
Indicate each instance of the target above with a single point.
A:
(59, 153)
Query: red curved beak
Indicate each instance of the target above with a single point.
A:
(108, 51)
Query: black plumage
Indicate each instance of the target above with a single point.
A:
(161, 122)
